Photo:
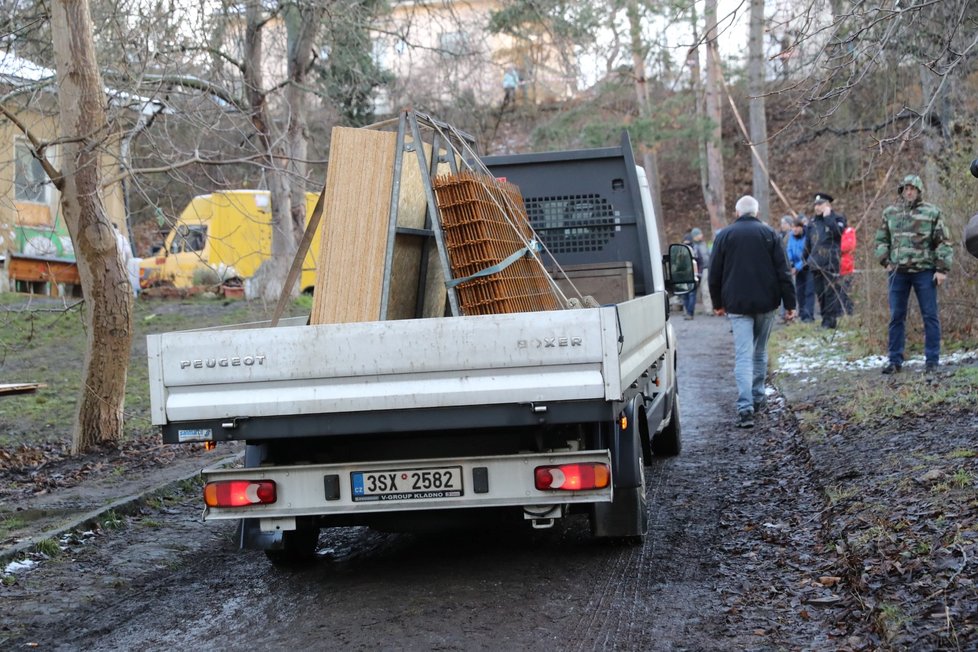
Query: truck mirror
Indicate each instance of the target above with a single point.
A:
(680, 271)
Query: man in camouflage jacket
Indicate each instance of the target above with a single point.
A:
(912, 244)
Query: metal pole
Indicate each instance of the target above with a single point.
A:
(385, 292)
(433, 215)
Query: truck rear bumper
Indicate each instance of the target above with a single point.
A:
(337, 489)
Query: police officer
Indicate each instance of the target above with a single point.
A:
(912, 244)
(823, 249)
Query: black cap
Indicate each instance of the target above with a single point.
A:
(822, 196)
(974, 168)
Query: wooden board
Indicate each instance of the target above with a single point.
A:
(19, 388)
(37, 269)
(356, 213)
(411, 207)
(350, 275)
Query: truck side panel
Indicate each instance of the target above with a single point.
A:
(520, 358)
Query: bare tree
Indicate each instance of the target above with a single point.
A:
(713, 192)
(108, 307)
(758, 120)
(639, 53)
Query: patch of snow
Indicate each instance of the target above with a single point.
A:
(814, 355)
(18, 566)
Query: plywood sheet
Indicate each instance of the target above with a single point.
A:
(408, 250)
(349, 282)
(356, 213)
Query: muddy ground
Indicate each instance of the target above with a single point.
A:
(779, 537)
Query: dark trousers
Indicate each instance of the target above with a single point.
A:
(805, 294)
(827, 290)
(926, 290)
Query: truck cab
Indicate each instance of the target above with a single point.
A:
(225, 233)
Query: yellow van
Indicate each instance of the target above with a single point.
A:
(229, 233)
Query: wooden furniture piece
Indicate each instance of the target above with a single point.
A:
(38, 274)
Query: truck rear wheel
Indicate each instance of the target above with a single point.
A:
(298, 547)
(668, 441)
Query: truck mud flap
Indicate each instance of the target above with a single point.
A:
(625, 517)
(251, 537)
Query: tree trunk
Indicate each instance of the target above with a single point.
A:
(699, 107)
(268, 281)
(104, 278)
(302, 25)
(758, 120)
(714, 194)
(649, 160)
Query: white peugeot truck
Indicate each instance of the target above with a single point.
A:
(530, 416)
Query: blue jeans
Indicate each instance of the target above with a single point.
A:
(750, 333)
(689, 302)
(926, 290)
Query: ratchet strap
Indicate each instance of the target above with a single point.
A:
(528, 250)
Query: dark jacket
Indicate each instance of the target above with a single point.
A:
(823, 242)
(748, 271)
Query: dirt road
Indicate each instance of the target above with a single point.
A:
(733, 529)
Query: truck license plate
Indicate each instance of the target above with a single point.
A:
(407, 484)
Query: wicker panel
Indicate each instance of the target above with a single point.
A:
(484, 222)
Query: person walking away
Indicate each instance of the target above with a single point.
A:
(748, 281)
(689, 299)
(912, 244)
(804, 290)
(511, 80)
(701, 256)
(847, 265)
(823, 249)
(701, 252)
(787, 222)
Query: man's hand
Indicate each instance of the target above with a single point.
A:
(719, 312)
(939, 278)
(789, 315)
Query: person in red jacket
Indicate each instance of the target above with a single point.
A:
(847, 265)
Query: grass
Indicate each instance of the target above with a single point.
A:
(865, 402)
(962, 479)
(112, 521)
(962, 453)
(48, 547)
(890, 619)
(11, 524)
(43, 340)
(837, 493)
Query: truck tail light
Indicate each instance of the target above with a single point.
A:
(239, 493)
(572, 477)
